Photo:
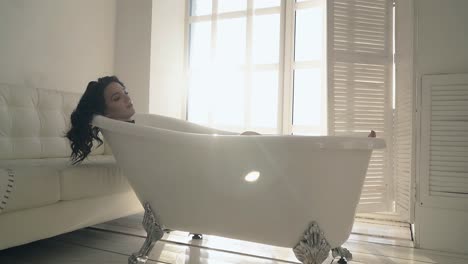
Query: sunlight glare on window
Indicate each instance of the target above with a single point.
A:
(231, 5)
(228, 97)
(307, 98)
(266, 36)
(200, 7)
(230, 42)
(200, 96)
(264, 103)
(200, 44)
(266, 3)
(309, 37)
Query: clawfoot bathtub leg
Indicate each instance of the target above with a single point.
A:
(343, 253)
(155, 232)
(313, 248)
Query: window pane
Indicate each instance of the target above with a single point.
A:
(264, 104)
(200, 96)
(231, 42)
(228, 98)
(231, 5)
(200, 44)
(266, 3)
(266, 39)
(200, 7)
(307, 98)
(309, 34)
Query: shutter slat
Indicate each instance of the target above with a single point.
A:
(448, 169)
(462, 114)
(463, 185)
(448, 174)
(448, 158)
(451, 103)
(446, 138)
(448, 88)
(442, 93)
(450, 98)
(449, 194)
(441, 132)
(448, 149)
(451, 189)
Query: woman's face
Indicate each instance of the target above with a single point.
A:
(118, 103)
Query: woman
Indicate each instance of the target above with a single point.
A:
(108, 97)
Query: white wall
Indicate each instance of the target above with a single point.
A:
(133, 49)
(167, 93)
(442, 36)
(149, 54)
(64, 44)
(56, 44)
(441, 46)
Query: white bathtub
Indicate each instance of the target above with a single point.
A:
(195, 180)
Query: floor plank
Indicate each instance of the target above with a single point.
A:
(165, 252)
(382, 229)
(51, 251)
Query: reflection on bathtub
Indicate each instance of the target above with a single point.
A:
(252, 176)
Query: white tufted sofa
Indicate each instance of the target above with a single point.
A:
(48, 196)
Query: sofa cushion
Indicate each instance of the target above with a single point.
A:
(57, 163)
(40, 182)
(91, 180)
(34, 187)
(33, 122)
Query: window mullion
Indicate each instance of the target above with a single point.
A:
(248, 60)
(214, 36)
(286, 94)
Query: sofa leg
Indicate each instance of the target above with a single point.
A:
(313, 248)
(154, 232)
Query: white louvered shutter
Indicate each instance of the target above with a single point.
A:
(360, 58)
(444, 141)
(403, 143)
(403, 151)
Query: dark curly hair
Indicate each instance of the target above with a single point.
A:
(82, 133)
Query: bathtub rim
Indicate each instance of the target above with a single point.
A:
(322, 142)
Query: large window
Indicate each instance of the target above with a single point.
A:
(313, 67)
(258, 65)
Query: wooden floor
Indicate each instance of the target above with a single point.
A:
(112, 242)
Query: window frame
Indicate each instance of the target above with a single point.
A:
(286, 64)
